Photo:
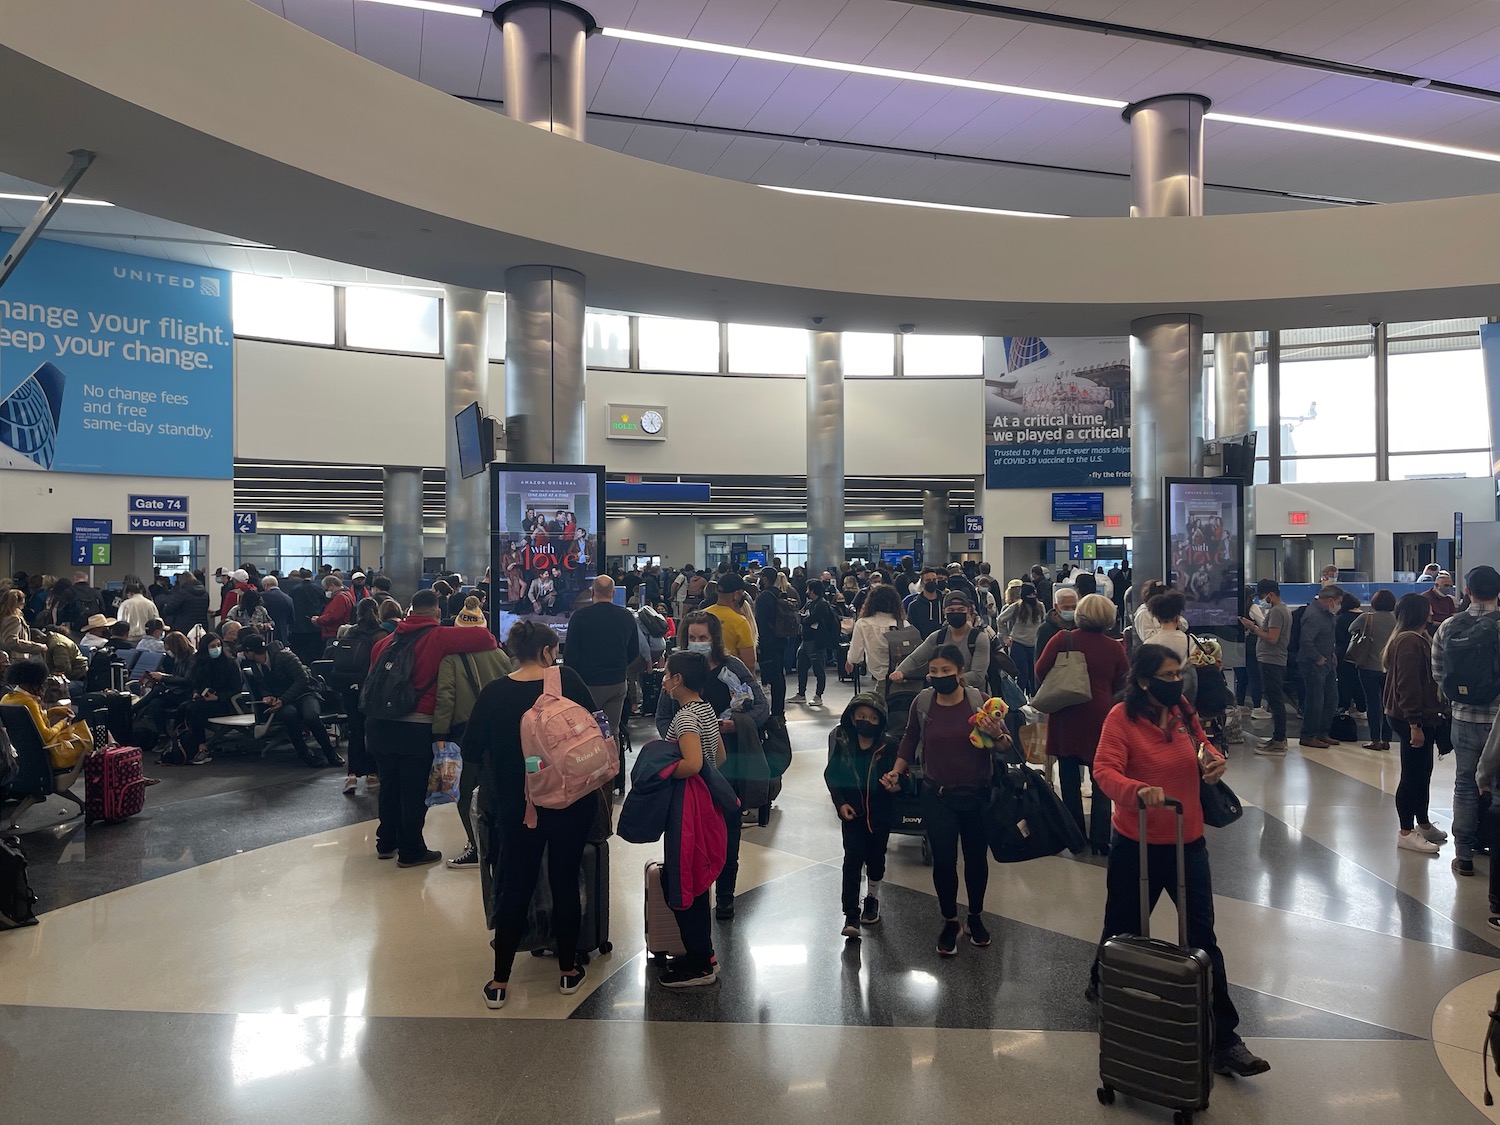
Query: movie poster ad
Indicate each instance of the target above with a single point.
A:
(1058, 415)
(1205, 549)
(545, 548)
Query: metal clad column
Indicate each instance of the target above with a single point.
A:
(1166, 352)
(466, 379)
(401, 540)
(825, 451)
(1234, 413)
(935, 527)
(544, 354)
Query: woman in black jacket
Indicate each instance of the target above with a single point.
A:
(216, 681)
(351, 664)
(859, 755)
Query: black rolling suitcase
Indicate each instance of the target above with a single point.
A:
(593, 931)
(650, 691)
(1156, 1038)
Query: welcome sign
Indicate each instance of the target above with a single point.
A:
(113, 363)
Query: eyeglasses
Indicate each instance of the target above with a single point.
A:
(1169, 677)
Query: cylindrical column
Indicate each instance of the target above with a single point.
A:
(544, 355)
(825, 451)
(544, 363)
(1166, 437)
(544, 63)
(1166, 352)
(401, 540)
(935, 527)
(1234, 413)
(466, 380)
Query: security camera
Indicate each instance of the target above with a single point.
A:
(817, 320)
(906, 329)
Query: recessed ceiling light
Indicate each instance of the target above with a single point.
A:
(915, 203)
(433, 6)
(859, 68)
(43, 199)
(1354, 135)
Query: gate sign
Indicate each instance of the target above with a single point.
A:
(156, 524)
(158, 503)
(244, 523)
(1082, 539)
(973, 525)
(91, 542)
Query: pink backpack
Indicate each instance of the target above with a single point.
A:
(576, 757)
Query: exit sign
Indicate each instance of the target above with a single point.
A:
(1297, 519)
(1111, 521)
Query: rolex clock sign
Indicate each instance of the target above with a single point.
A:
(636, 423)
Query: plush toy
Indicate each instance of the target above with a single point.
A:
(993, 709)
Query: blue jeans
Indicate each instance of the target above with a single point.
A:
(1320, 695)
(1025, 658)
(1374, 684)
(1468, 744)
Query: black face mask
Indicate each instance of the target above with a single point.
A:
(1166, 692)
(866, 729)
(958, 620)
(943, 685)
(929, 587)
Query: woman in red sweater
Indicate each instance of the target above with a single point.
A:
(1152, 748)
(1073, 732)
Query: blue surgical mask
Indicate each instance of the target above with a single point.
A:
(388, 626)
(705, 647)
(214, 651)
(1067, 614)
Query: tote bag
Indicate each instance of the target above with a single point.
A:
(1067, 685)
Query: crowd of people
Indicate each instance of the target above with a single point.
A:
(706, 657)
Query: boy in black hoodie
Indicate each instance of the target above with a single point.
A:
(858, 756)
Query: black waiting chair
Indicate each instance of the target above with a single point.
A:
(36, 780)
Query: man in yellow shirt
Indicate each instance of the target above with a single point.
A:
(737, 638)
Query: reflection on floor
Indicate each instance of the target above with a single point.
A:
(243, 922)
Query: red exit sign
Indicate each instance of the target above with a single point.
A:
(1111, 521)
(1297, 519)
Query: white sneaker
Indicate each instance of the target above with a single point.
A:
(1261, 713)
(1416, 842)
(1433, 834)
(817, 701)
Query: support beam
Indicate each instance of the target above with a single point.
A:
(401, 537)
(82, 158)
(466, 380)
(825, 452)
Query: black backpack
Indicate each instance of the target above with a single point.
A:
(652, 622)
(1471, 659)
(788, 620)
(388, 691)
(17, 901)
(351, 657)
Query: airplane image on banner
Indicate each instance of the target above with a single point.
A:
(29, 418)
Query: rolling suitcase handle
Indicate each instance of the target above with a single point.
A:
(1182, 938)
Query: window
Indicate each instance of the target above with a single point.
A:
(1328, 394)
(944, 355)
(668, 344)
(756, 349)
(285, 553)
(1325, 470)
(392, 320)
(1438, 402)
(495, 314)
(869, 353)
(606, 338)
(276, 308)
(1410, 466)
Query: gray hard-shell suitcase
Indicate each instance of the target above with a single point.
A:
(1156, 1034)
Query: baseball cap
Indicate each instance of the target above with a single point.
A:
(731, 584)
(356, 576)
(241, 576)
(957, 597)
(253, 642)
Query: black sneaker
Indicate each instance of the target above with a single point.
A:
(724, 911)
(1238, 1060)
(494, 998)
(1463, 867)
(568, 985)
(947, 943)
(385, 853)
(871, 914)
(421, 861)
(468, 859)
(979, 934)
(851, 926)
(686, 976)
(334, 760)
(1495, 923)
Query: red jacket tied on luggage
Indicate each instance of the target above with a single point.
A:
(439, 641)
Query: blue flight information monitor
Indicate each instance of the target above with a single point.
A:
(1077, 507)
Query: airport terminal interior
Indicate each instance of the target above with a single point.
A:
(323, 319)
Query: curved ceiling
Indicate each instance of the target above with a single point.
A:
(214, 113)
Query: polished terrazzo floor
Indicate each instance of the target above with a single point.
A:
(237, 952)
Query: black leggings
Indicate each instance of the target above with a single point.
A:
(954, 818)
(196, 713)
(563, 833)
(863, 850)
(1415, 786)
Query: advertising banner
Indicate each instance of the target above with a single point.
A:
(110, 363)
(545, 522)
(1059, 414)
(1205, 552)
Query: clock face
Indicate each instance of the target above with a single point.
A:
(652, 422)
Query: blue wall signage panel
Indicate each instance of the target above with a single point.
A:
(1082, 538)
(245, 523)
(158, 503)
(112, 363)
(91, 542)
(1071, 507)
(156, 524)
(1058, 413)
(973, 525)
(664, 492)
(1458, 537)
(892, 557)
